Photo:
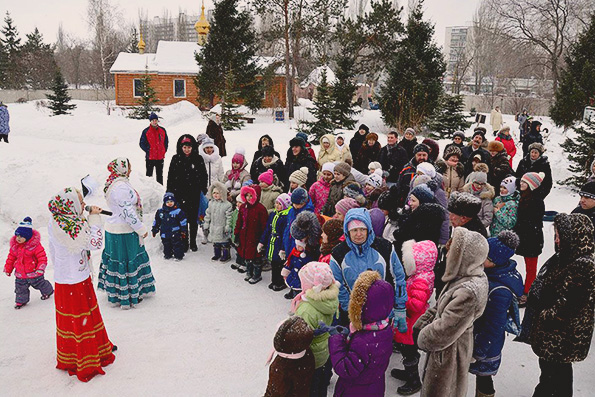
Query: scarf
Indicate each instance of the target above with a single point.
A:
(69, 226)
(118, 169)
(234, 175)
(273, 161)
(375, 326)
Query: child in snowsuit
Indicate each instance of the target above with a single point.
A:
(28, 259)
(306, 231)
(505, 207)
(171, 224)
(269, 191)
(419, 259)
(218, 221)
(318, 302)
(290, 373)
(505, 286)
(360, 355)
(319, 189)
(252, 220)
(271, 241)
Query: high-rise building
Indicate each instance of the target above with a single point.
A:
(455, 46)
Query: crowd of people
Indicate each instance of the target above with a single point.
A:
(361, 236)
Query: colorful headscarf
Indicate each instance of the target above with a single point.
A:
(69, 226)
(118, 168)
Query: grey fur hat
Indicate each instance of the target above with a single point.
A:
(306, 225)
(464, 204)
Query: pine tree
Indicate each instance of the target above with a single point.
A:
(133, 41)
(38, 63)
(448, 116)
(412, 90)
(147, 101)
(230, 117)
(343, 90)
(323, 109)
(231, 45)
(576, 87)
(14, 76)
(60, 98)
(3, 65)
(581, 153)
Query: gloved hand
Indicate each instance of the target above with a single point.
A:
(282, 255)
(322, 328)
(260, 247)
(400, 319)
(340, 330)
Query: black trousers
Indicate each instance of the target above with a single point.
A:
(190, 208)
(4, 137)
(321, 380)
(555, 379)
(158, 166)
(485, 384)
(173, 246)
(276, 267)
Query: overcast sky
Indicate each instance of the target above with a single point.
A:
(47, 15)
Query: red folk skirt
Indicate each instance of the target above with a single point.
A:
(83, 344)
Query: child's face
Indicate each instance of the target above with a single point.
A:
(327, 176)
(488, 264)
(338, 176)
(170, 203)
(371, 142)
(503, 191)
(299, 206)
(235, 166)
(248, 197)
(20, 239)
(369, 188)
(278, 206)
(300, 245)
(216, 194)
(293, 186)
(263, 185)
(264, 142)
(209, 150)
(324, 238)
(340, 141)
(413, 202)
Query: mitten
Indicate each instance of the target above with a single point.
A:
(285, 272)
(322, 328)
(400, 319)
(282, 255)
(260, 247)
(341, 330)
(237, 185)
(183, 235)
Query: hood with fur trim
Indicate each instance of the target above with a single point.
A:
(254, 190)
(30, 244)
(487, 193)
(220, 187)
(371, 300)
(325, 301)
(468, 251)
(576, 236)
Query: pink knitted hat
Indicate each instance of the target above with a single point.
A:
(345, 205)
(238, 158)
(533, 179)
(317, 276)
(266, 177)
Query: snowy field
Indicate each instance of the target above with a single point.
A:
(206, 332)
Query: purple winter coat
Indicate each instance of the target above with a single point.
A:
(362, 361)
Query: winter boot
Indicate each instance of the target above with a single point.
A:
(193, 233)
(257, 276)
(399, 374)
(480, 394)
(46, 296)
(412, 383)
(291, 294)
(278, 287)
(217, 255)
(249, 270)
(19, 305)
(226, 255)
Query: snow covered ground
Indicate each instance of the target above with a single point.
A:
(206, 331)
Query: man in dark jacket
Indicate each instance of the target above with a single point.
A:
(534, 136)
(298, 157)
(400, 191)
(535, 161)
(154, 142)
(458, 140)
(392, 158)
(358, 139)
(473, 149)
(587, 202)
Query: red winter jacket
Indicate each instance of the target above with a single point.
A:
(28, 259)
(154, 142)
(252, 220)
(510, 147)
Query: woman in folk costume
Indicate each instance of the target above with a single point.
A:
(125, 272)
(82, 341)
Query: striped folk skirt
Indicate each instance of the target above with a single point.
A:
(125, 271)
(82, 341)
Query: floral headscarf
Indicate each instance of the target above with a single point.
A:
(118, 168)
(69, 226)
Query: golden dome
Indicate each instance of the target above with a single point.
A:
(202, 26)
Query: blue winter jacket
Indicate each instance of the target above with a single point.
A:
(4, 119)
(349, 260)
(488, 330)
(288, 241)
(294, 264)
(170, 222)
(272, 238)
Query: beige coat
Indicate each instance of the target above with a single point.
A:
(268, 195)
(496, 120)
(453, 177)
(446, 330)
(328, 155)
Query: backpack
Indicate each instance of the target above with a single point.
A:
(513, 319)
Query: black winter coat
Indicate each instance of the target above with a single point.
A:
(469, 153)
(393, 160)
(422, 224)
(408, 146)
(365, 156)
(542, 164)
(499, 169)
(258, 153)
(355, 144)
(278, 168)
(529, 224)
(400, 191)
(187, 175)
(302, 160)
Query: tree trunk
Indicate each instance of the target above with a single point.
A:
(288, 78)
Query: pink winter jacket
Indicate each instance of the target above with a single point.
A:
(419, 290)
(319, 193)
(28, 260)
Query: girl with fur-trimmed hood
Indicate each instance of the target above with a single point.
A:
(360, 355)
(213, 163)
(479, 187)
(446, 330)
(318, 302)
(218, 221)
(452, 170)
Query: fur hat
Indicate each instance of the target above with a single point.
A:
(374, 180)
(363, 127)
(299, 196)
(533, 179)
(25, 229)
(317, 276)
(537, 146)
(421, 147)
(267, 151)
(588, 190)
(343, 169)
(420, 256)
(423, 194)
(502, 247)
(293, 142)
(452, 151)
(372, 136)
(460, 134)
(467, 254)
(306, 225)
(495, 146)
(478, 176)
(479, 131)
(434, 148)
(374, 165)
(284, 199)
(267, 177)
(464, 204)
(427, 169)
(481, 167)
(299, 176)
(333, 228)
(384, 201)
(345, 204)
(355, 191)
(371, 300)
(510, 184)
(330, 167)
(293, 336)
